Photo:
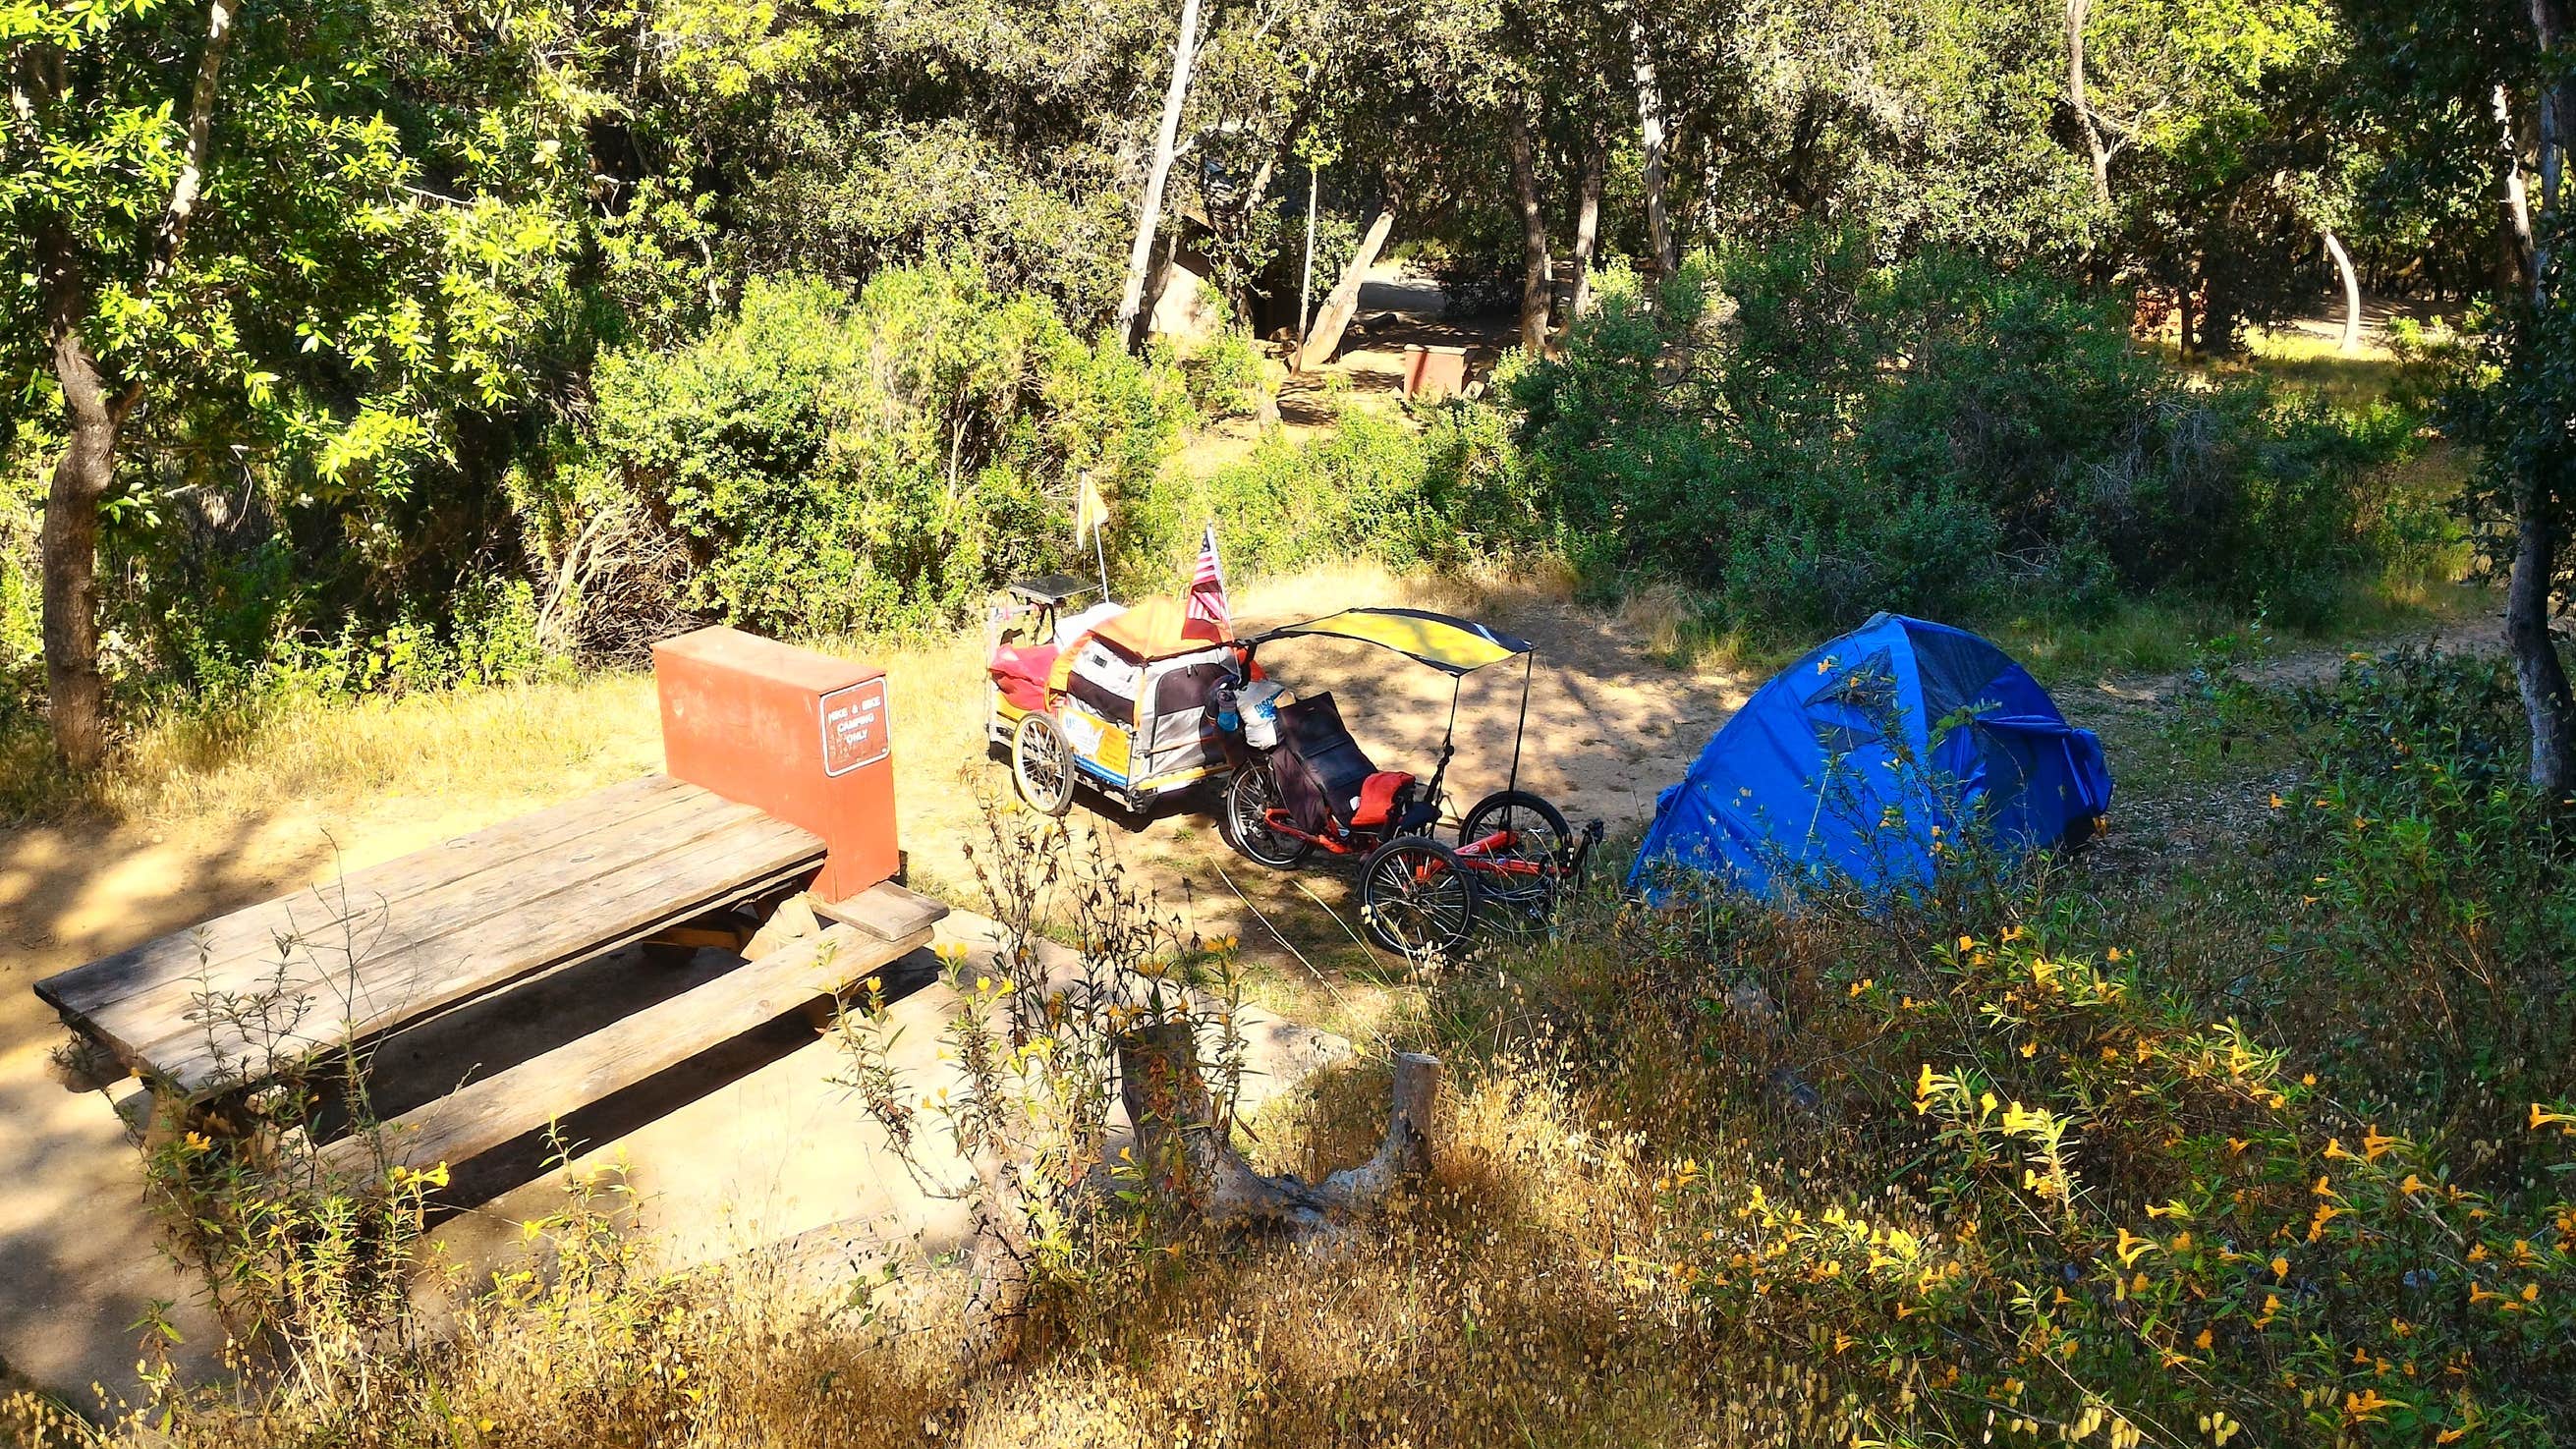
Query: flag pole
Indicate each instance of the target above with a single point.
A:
(1091, 515)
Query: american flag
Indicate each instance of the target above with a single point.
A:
(1207, 587)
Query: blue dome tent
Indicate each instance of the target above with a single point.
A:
(1804, 778)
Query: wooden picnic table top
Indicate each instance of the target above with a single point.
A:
(239, 998)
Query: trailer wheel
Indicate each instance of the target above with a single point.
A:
(1042, 765)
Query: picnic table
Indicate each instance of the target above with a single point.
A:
(223, 1006)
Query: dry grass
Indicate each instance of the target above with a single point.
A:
(545, 738)
(171, 767)
(1492, 1309)
(1687, 630)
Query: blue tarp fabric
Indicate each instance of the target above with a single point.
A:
(1805, 780)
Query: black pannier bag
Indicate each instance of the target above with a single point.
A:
(1320, 768)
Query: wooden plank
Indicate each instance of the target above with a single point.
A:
(314, 963)
(322, 908)
(483, 1115)
(328, 924)
(886, 911)
(586, 917)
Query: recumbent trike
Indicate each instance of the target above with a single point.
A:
(1305, 785)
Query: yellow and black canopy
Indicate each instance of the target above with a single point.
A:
(1457, 646)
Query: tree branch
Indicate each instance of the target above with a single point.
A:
(185, 191)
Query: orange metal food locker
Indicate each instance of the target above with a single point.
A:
(793, 731)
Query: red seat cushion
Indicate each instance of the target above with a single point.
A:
(1377, 797)
(1021, 670)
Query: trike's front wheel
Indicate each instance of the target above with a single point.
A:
(1417, 898)
(1042, 765)
(1249, 798)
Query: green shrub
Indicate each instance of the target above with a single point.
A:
(1816, 436)
(1447, 495)
(836, 464)
(22, 492)
(2437, 921)
(1223, 370)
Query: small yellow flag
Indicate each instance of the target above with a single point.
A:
(1090, 512)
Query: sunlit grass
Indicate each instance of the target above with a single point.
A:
(531, 739)
(2300, 359)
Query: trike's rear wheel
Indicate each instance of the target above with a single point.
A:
(1531, 849)
(1042, 765)
(1249, 798)
(1417, 898)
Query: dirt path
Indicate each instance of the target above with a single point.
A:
(2184, 796)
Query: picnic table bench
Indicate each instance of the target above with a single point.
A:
(221, 1007)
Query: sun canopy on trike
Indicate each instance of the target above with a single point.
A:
(1455, 646)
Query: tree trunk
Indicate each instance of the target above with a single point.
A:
(190, 182)
(1650, 125)
(68, 540)
(2080, 101)
(2221, 332)
(1256, 193)
(1587, 229)
(1306, 271)
(1158, 280)
(93, 409)
(1326, 334)
(2517, 200)
(1181, 1143)
(2527, 606)
(2538, 520)
(2557, 109)
(2351, 294)
(1140, 257)
(1538, 286)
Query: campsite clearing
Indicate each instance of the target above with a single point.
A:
(1622, 722)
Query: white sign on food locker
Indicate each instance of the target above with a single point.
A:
(854, 726)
